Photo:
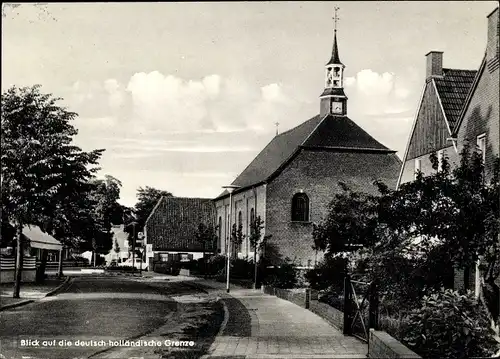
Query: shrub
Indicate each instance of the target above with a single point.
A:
(242, 268)
(450, 325)
(328, 273)
(284, 276)
(215, 264)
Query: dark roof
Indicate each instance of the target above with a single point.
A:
(334, 92)
(333, 132)
(174, 221)
(342, 132)
(335, 59)
(453, 88)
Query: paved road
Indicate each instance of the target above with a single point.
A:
(92, 308)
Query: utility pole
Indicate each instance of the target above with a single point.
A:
(133, 245)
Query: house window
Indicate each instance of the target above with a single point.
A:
(440, 156)
(300, 208)
(481, 145)
(418, 166)
(240, 226)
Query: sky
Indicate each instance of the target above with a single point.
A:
(184, 95)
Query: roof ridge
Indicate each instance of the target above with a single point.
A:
(449, 68)
(293, 128)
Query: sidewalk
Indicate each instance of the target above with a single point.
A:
(29, 292)
(264, 326)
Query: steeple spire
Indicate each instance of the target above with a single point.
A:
(335, 59)
(333, 99)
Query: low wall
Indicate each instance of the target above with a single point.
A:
(296, 296)
(382, 345)
(7, 270)
(332, 315)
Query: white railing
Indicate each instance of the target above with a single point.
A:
(10, 263)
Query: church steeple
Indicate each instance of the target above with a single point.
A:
(333, 99)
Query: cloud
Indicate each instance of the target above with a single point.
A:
(154, 102)
(383, 94)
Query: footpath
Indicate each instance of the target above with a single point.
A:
(257, 325)
(29, 292)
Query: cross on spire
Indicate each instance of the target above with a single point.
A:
(335, 17)
(276, 124)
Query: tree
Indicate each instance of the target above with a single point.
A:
(207, 236)
(147, 198)
(256, 226)
(237, 237)
(351, 222)
(40, 165)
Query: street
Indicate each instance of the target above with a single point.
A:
(89, 313)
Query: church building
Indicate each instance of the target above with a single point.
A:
(294, 178)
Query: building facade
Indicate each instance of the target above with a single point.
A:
(294, 178)
(458, 108)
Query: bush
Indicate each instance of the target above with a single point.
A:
(242, 269)
(284, 276)
(215, 264)
(450, 325)
(327, 274)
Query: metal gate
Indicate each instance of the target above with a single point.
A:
(360, 308)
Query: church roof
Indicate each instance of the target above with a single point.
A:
(453, 89)
(330, 132)
(334, 91)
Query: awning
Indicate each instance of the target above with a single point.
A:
(41, 240)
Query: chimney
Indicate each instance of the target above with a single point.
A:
(493, 30)
(434, 64)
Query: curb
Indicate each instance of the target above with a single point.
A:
(28, 301)
(54, 291)
(18, 304)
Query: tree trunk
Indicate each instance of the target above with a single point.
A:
(60, 266)
(19, 261)
(40, 273)
(255, 268)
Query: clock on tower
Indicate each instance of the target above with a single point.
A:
(337, 107)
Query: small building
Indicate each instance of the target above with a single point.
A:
(294, 178)
(36, 241)
(172, 226)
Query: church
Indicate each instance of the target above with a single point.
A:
(294, 178)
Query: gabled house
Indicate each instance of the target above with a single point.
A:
(294, 178)
(458, 108)
(172, 225)
(478, 124)
(442, 100)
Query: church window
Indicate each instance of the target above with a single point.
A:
(300, 208)
(337, 71)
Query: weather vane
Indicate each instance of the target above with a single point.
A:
(336, 18)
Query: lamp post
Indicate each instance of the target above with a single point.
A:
(230, 189)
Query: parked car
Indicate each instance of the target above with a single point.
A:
(138, 264)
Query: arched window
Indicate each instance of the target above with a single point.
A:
(240, 228)
(220, 231)
(252, 219)
(300, 208)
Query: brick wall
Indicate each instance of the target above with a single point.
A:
(296, 296)
(332, 315)
(382, 345)
(317, 173)
(482, 116)
(242, 201)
